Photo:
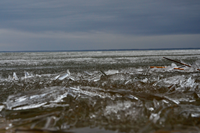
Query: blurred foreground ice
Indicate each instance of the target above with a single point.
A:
(129, 96)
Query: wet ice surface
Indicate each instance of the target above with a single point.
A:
(100, 92)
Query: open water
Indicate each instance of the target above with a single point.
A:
(101, 91)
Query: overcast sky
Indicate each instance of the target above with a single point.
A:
(98, 24)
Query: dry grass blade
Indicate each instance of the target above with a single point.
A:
(177, 62)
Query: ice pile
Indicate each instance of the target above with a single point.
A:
(112, 99)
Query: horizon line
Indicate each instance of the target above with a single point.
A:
(7, 51)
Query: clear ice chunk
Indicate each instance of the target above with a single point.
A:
(194, 67)
(88, 73)
(181, 81)
(15, 76)
(189, 83)
(110, 72)
(171, 68)
(154, 117)
(1, 107)
(64, 76)
(197, 115)
(36, 98)
(9, 77)
(30, 106)
(118, 77)
(27, 75)
(144, 80)
(56, 77)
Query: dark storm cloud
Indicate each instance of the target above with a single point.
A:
(138, 17)
(98, 24)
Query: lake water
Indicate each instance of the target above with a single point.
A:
(100, 91)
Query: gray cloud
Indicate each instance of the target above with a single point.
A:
(132, 17)
(119, 18)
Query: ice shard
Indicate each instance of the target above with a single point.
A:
(64, 76)
(27, 75)
(36, 98)
(15, 76)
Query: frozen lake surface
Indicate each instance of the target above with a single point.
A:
(101, 91)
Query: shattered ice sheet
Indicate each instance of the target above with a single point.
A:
(111, 90)
(182, 81)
